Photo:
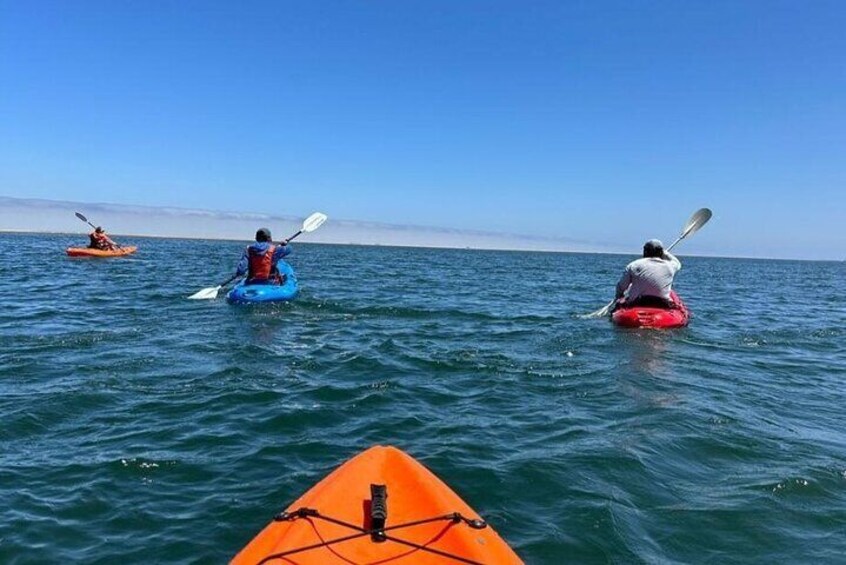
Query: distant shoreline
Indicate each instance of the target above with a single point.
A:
(350, 243)
(399, 246)
(50, 216)
(34, 215)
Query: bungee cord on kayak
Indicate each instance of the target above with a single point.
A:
(347, 518)
(378, 533)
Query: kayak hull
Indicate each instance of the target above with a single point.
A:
(651, 317)
(266, 293)
(89, 252)
(413, 494)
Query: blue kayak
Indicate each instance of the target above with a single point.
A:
(261, 293)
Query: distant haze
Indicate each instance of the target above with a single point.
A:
(19, 214)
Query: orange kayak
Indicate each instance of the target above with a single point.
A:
(90, 252)
(381, 506)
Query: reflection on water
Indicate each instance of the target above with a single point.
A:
(647, 349)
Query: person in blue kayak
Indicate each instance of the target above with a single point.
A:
(99, 240)
(648, 281)
(259, 260)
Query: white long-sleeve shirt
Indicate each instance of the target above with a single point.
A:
(649, 276)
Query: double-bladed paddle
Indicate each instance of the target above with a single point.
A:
(696, 221)
(309, 225)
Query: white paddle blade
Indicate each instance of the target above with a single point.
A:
(696, 221)
(206, 294)
(313, 222)
(601, 313)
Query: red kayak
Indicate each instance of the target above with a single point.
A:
(653, 317)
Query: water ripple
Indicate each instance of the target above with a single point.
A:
(134, 419)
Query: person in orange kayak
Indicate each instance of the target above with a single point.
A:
(99, 240)
(259, 260)
(648, 281)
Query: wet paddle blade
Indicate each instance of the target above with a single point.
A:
(313, 222)
(696, 221)
(601, 313)
(206, 294)
(81, 217)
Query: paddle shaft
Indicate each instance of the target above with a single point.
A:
(294, 236)
(681, 237)
(675, 242)
(229, 280)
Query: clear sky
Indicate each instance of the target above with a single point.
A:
(600, 121)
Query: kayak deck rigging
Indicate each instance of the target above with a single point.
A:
(377, 531)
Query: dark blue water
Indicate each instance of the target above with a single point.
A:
(138, 426)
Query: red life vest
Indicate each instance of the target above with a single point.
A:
(98, 240)
(261, 264)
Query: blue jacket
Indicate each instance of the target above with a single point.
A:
(261, 247)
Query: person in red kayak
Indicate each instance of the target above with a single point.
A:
(259, 260)
(99, 240)
(648, 281)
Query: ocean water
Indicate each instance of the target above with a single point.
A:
(138, 426)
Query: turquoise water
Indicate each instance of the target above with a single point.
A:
(139, 426)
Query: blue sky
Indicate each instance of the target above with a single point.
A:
(600, 121)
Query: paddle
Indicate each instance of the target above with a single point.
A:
(84, 219)
(696, 221)
(309, 225)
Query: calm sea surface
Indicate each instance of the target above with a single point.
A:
(138, 426)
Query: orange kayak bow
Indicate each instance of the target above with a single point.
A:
(381, 506)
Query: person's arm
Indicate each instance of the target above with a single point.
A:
(243, 264)
(673, 261)
(282, 250)
(623, 283)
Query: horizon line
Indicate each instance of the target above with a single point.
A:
(409, 246)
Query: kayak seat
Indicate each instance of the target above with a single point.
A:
(647, 301)
(279, 280)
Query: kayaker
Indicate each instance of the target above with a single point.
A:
(648, 281)
(259, 260)
(99, 240)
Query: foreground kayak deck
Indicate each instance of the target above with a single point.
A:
(336, 521)
(651, 317)
(90, 252)
(259, 293)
